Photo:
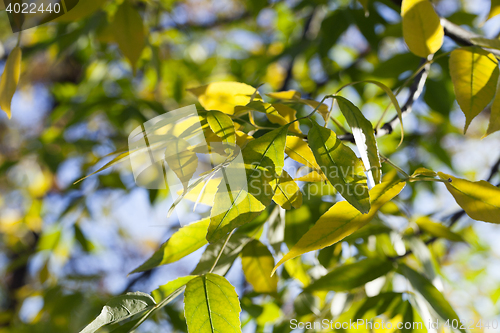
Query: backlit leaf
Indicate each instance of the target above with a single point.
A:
(10, 79)
(474, 73)
(437, 229)
(181, 160)
(485, 42)
(258, 264)
(494, 124)
(128, 30)
(298, 150)
(353, 275)
(287, 193)
(480, 200)
(340, 165)
(211, 305)
(222, 125)
(422, 29)
(264, 160)
(120, 308)
(341, 220)
(184, 241)
(494, 9)
(364, 135)
(313, 176)
(163, 291)
(435, 299)
(224, 96)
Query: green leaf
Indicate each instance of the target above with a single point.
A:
(341, 220)
(167, 289)
(10, 79)
(474, 73)
(494, 124)
(120, 308)
(485, 42)
(128, 28)
(350, 276)
(287, 193)
(258, 264)
(435, 299)
(340, 165)
(264, 159)
(233, 248)
(184, 241)
(364, 135)
(437, 229)
(480, 200)
(422, 29)
(211, 305)
(222, 125)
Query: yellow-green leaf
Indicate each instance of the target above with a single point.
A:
(160, 293)
(10, 79)
(474, 73)
(287, 193)
(264, 159)
(424, 172)
(128, 30)
(211, 305)
(258, 263)
(494, 9)
(298, 150)
(480, 200)
(494, 124)
(313, 176)
(295, 96)
(82, 9)
(181, 160)
(364, 135)
(224, 96)
(351, 276)
(341, 220)
(485, 42)
(437, 229)
(222, 125)
(422, 29)
(340, 165)
(184, 241)
(289, 115)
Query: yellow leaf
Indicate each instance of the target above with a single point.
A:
(295, 96)
(222, 125)
(494, 124)
(224, 96)
(313, 177)
(422, 29)
(129, 32)
(203, 193)
(10, 79)
(494, 9)
(258, 263)
(341, 220)
(289, 115)
(287, 193)
(480, 200)
(474, 73)
(298, 150)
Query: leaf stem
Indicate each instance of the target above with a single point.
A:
(385, 159)
(221, 251)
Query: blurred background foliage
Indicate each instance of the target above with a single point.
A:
(91, 77)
